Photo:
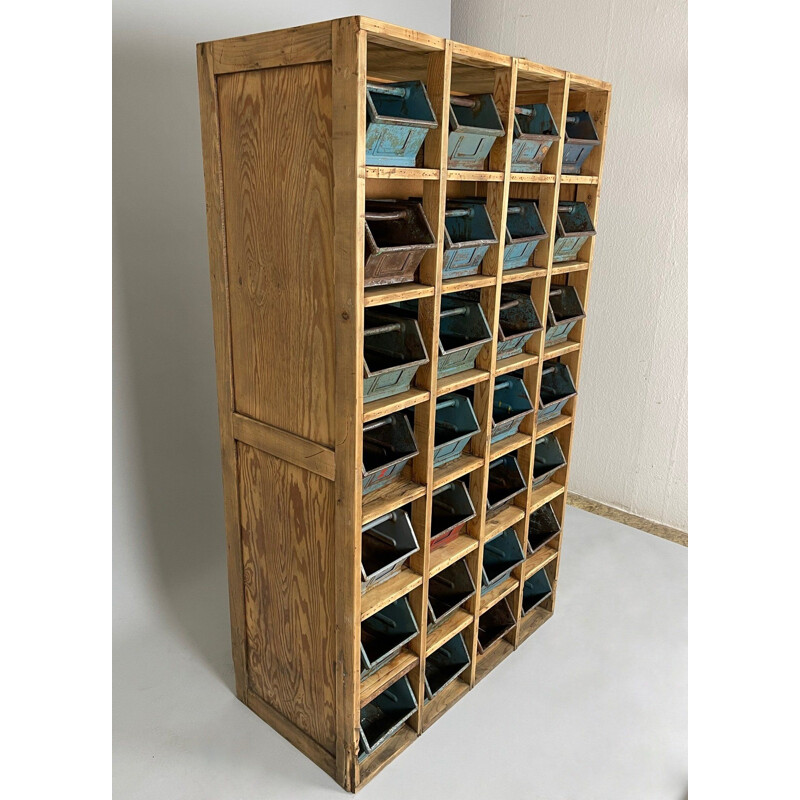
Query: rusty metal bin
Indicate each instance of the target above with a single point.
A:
(463, 330)
(468, 234)
(548, 458)
(384, 634)
(510, 405)
(500, 555)
(444, 665)
(393, 352)
(573, 228)
(580, 138)
(505, 482)
(384, 716)
(534, 133)
(518, 322)
(556, 389)
(524, 231)
(456, 424)
(494, 623)
(475, 125)
(543, 525)
(386, 544)
(447, 590)
(389, 444)
(399, 116)
(451, 510)
(535, 590)
(564, 310)
(396, 238)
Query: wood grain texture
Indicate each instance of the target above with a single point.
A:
(278, 181)
(288, 553)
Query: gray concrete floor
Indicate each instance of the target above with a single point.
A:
(592, 707)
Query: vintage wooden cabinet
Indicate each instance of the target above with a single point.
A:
(284, 119)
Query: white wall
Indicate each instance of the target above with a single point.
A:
(169, 543)
(631, 445)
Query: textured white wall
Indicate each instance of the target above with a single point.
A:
(631, 444)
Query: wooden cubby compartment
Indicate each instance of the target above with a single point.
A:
(283, 117)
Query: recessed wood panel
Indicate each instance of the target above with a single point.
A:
(275, 129)
(288, 553)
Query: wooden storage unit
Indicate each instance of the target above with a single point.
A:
(283, 123)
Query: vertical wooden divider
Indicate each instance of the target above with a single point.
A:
(433, 202)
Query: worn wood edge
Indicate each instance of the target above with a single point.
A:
(443, 702)
(399, 666)
(385, 754)
(531, 623)
(498, 651)
(626, 518)
(287, 446)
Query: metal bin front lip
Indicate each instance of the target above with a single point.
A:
(391, 211)
(552, 318)
(486, 113)
(415, 122)
(530, 309)
(582, 212)
(554, 393)
(403, 326)
(455, 209)
(505, 416)
(582, 120)
(529, 111)
(374, 567)
(529, 210)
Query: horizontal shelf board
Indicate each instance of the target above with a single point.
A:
(443, 701)
(403, 173)
(532, 622)
(386, 753)
(379, 596)
(498, 593)
(492, 657)
(398, 37)
(528, 69)
(387, 405)
(544, 494)
(380, 295)
(457, 468)
(470, 282)
(454, 624)
(399, 492)
(569, 266)
(510, 443)
(582, 180)
(452, 383)
(502, 519)
(478, 56)
(474, 175)
(543, 556)
(556, 350)
(551, 425)
(531, 177)
(523, 274)
(518, 361)
(448, 554)
(400, 665)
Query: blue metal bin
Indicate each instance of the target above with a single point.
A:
(468, 234)
(475, 125)
(548, 458)
(556, 389)
(534, 133)
(535, 590)
(456, 424)
(399, 116)
(510, 405)
(500, 555)
(573, 229)
(447, 590)
(389, 444)
(384, 716)
(463, 330)
(524, 231)
(444, 665)
(384, 634)
(564, 310)
(580, 138)
(518, 322)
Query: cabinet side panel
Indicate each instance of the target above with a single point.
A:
(288, 553)
(277, 165)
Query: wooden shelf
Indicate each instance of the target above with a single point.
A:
(531, 177)
(551, 425)
(396, 494)
(452, 383)
(556, 350)
(397, 402)
(542, 557)
(380, 295)
(465, 284)
(509, 444)
(580, 180)
(523, 274)
(402, 173)
(531, 622)
(565, 267)
(502, 519)
(455, 469)
(400, 665)
(544, 494)
(494, 596)
(474, 175)
(442, 557)
(454, 624)
(512, 363)
(380, 596)
(492, 657)
(386, 753)
(443, 701)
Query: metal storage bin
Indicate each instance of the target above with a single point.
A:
(384, 634)
(510, 405)
(534, 133)
(524, 231)
(493, 624)
(475, 125)
(463, 330)
(389, 444)
(500, 555)
(396, 238)
(393, 352)
(505, 482)
(542, 527)
(384, 716)
(564, 309)
(451, 510)
(468, 234)
(386, 544)
(456, 424)
(580, 137)
(535, 590)
(573, 228)
(547, 459)
(447, 590)
(518, 322)
(399, 116)
(444, 665)
(556, 389)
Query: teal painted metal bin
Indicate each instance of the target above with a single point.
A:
(535, 591)
(463, 330)
(444, 665)
(535, 131)
(399, 116)
(505, 482)
(384, 716)
(468, 234)
(456, 424)
(510, 405)
(580, 138)
(524, 231)
(388, 445)
(548, 458)
(518, 321)
(500, 555)
(475, 126)
(564, 310)
(574, 227)
(556, 388)
(384, 634)
(447, 590)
